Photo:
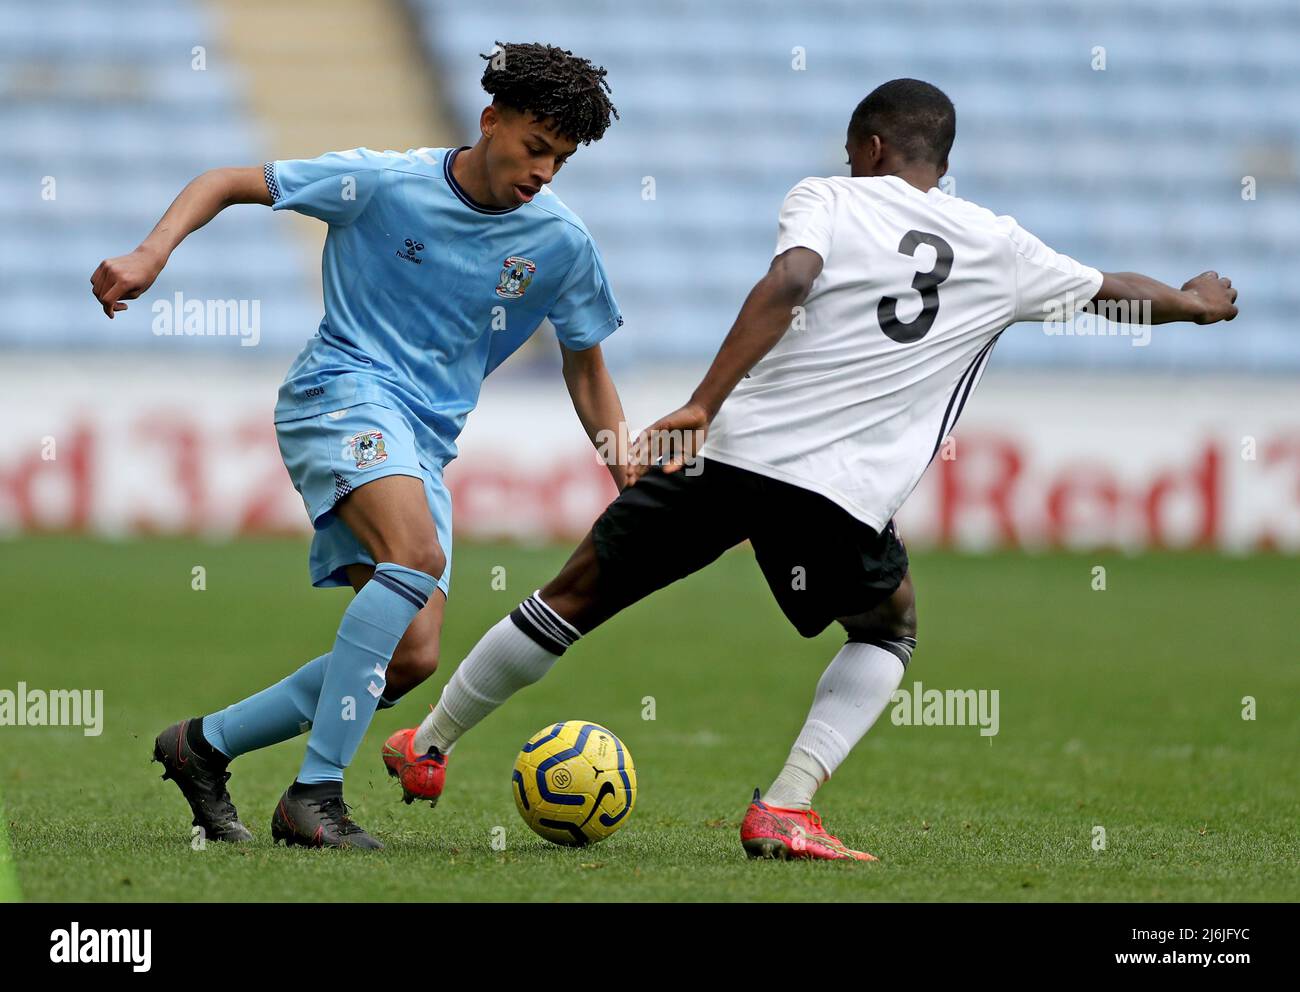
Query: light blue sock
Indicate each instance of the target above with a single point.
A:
(275, 714)
(372, 626)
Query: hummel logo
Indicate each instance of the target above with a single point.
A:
(412, 247)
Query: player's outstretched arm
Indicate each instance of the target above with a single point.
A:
(763, 320)
(127, 276)
(1206, 299)
(595, 400)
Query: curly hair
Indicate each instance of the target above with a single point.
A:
(551, 82)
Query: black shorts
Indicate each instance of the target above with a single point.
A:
(820, 562)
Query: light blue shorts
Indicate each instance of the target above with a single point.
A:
(331, 454)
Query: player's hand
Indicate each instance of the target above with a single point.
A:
(124, 278)
(674, 439)
(1216, 295)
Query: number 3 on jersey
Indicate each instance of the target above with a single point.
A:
(925, 283)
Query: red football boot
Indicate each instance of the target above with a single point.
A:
(774, 832)
(421, 775)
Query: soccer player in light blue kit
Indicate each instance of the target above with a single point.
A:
(438, 265)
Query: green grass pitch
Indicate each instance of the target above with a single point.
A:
(1119, 709)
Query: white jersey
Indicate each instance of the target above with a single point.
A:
(856, 398)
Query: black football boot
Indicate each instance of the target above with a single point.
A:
(199, 770)
(316, 816)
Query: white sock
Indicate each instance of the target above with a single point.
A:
(851, 694)
(515, 653)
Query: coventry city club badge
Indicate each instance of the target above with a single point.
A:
(516, 274)
(367, 448)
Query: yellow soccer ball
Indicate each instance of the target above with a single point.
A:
(574, 783)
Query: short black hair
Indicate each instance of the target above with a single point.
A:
(913, 117)
(551, 82)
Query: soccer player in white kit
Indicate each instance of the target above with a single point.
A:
(850, 362)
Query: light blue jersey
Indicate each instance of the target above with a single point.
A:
(426, 291)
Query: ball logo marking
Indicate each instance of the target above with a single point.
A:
(574, 783)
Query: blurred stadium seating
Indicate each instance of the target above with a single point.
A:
(103, 98)
(1139, 166)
